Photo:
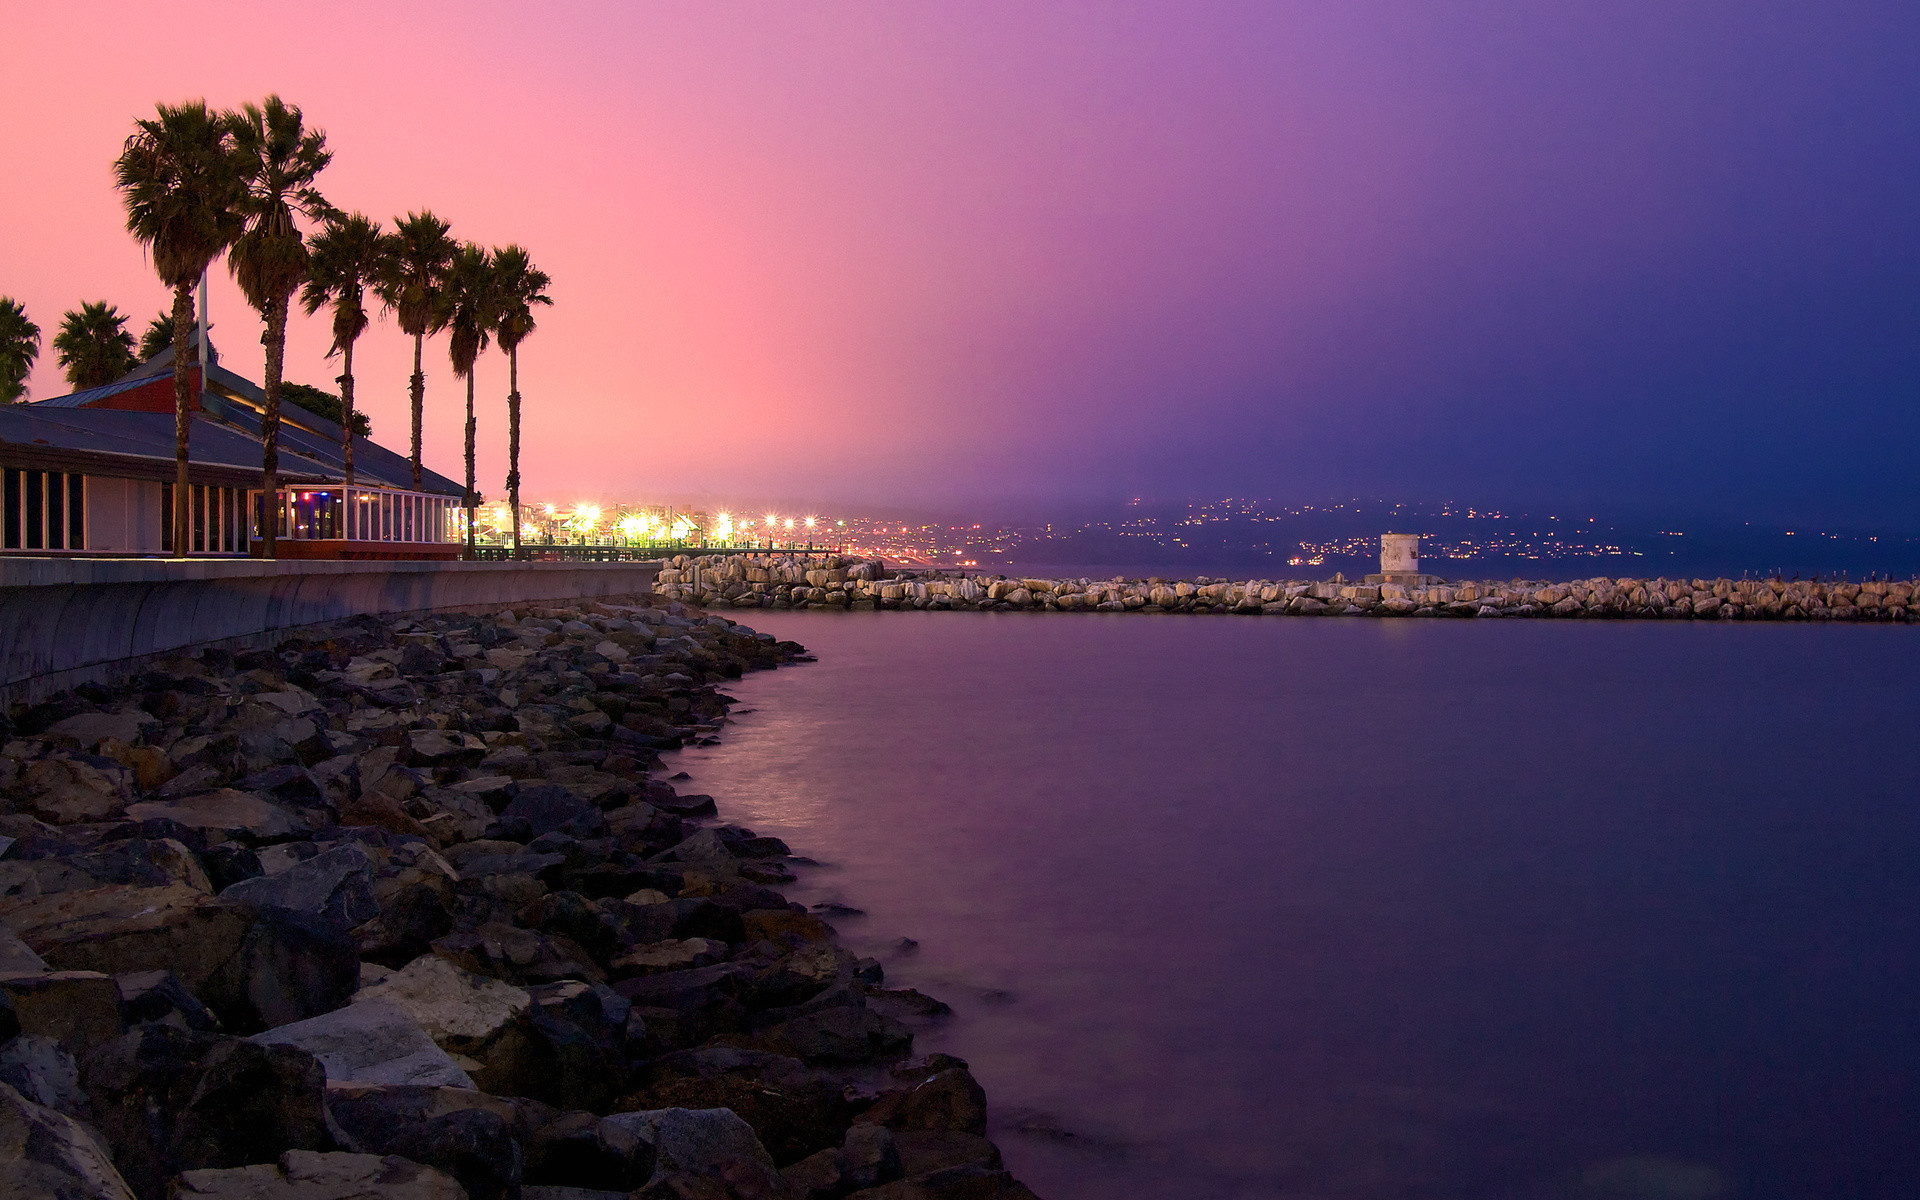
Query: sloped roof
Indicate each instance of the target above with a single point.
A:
(306, 438)
(142, 443)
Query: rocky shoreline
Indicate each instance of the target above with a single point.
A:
(402, 909)
(771, 581)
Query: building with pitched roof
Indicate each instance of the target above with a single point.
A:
(92, 473)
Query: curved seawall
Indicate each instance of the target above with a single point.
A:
(65, 621)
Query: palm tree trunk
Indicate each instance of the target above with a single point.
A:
(419, 402)
(513, 443)
(276, 340)
(182, 408)
(346, 412)
(469, 496)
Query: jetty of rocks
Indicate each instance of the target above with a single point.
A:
(400, 908)
(777, 582)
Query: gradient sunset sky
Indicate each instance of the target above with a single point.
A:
(941, 254)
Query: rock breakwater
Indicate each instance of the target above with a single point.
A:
(866, 584)
(400, 908)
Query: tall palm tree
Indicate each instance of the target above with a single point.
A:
(521, 289)
(471, 308)
(19, 346)
(342, 261)
(182, 191)
(418, 253)
(93, 345)
(279, 158)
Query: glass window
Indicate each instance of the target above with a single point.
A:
(76, 512)
(14, 487)
(56, 510)
(36, 510)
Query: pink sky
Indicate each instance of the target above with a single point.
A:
(827, 251)
(925, 252)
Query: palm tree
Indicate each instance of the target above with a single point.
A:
(342, 262)
(159, 335)
(19, 346)
(279, 158)
(521, 288)
(93, 345)
(471, 309)
(413, 266)
(182, 191)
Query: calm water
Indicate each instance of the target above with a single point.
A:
(1256, 908)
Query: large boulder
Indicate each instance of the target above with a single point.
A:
(43, 1073)
(302, 1175)
(336, 885)
(44, 1153)
(372, 1042)
(170, 1100)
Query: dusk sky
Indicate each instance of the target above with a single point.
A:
(942, 254)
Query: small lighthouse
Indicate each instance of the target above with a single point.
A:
(1400, 558)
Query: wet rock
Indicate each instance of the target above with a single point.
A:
(950, 1099)
(841, 1035)
(44, 1152)
(170, 1100)
(698, 1142)
(300, 1175)
(372, 1042)
(867, 1158)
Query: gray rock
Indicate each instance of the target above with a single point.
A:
(305, 1175)
(43, 1073)
(370, 1042)
(44, 1153)
(336, 884)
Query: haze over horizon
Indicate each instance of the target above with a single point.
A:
(1580, 255)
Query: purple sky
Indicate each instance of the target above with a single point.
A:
(1652, 254)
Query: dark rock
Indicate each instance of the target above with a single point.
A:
(171, 1100)
(547, 808)
(473, 1146)
(951, 1099)
(148, 997)
(839, 1035)
(410, 919)
(228, 865)
(289, 966)
(569, 1152)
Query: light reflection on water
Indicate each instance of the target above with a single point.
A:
(1256, 907)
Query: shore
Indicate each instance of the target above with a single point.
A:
(404, 908)
(772, 581)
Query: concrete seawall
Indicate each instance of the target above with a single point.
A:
(66, 621)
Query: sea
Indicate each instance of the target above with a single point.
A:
(1238, 907)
